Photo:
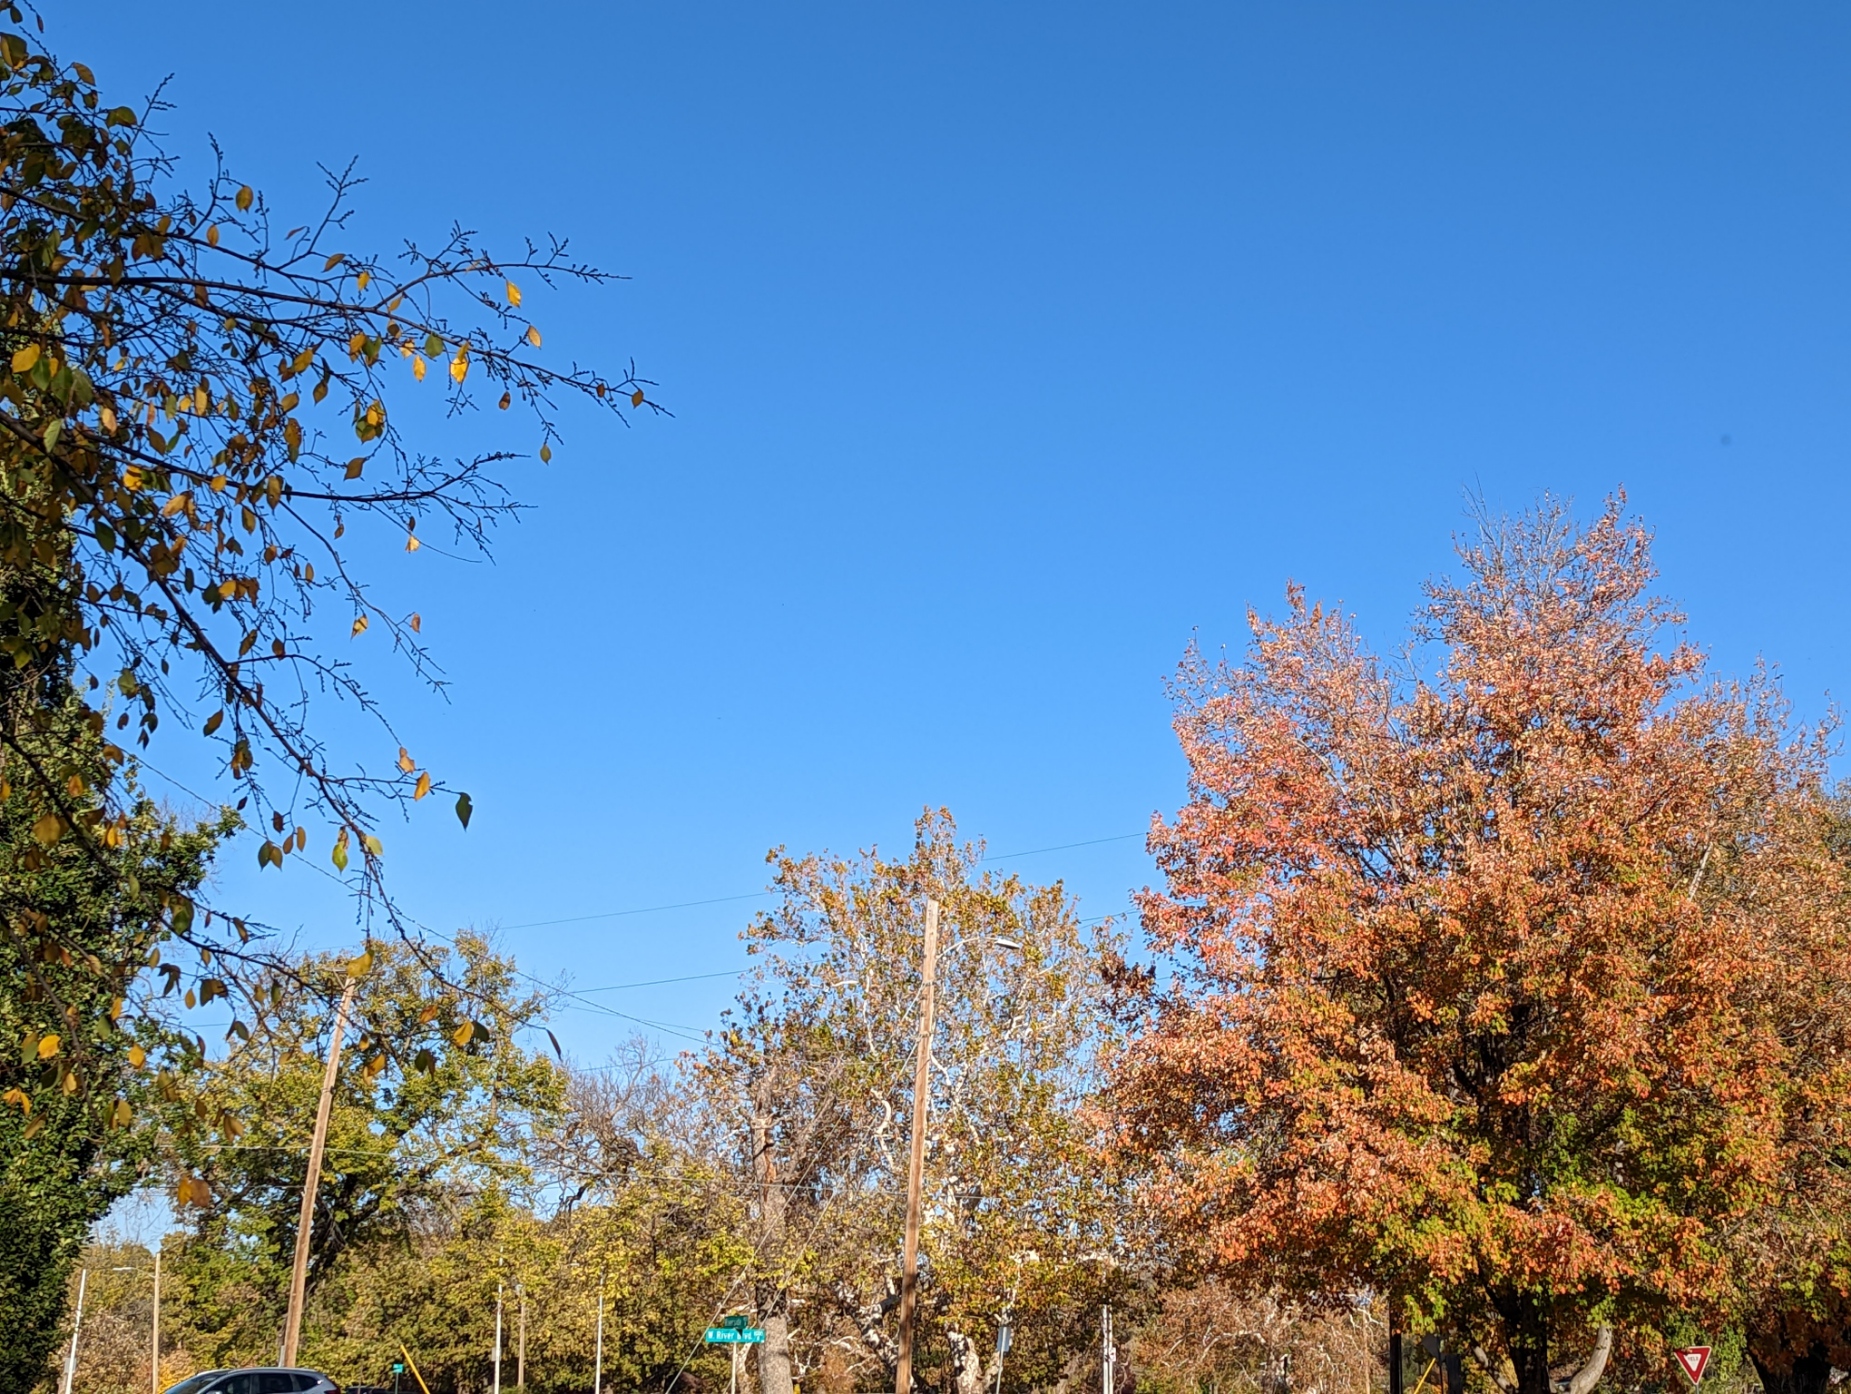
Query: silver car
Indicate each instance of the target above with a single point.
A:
(272, 1380)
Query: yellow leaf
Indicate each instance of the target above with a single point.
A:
(335, 261)
(546, 453)
(48, 1046)
(405, 762)
(412, 544)
(212, 235)
(355, 465)
(459, 367)
(464, 1033)
(213, 722)
(361, 281)
(340, 851)
(25, 358)
(424, 786)
(137, 1056)
(174, 505)
(636, 397)
(514, 294)
(417, 366)
(108, 417)
(48, 829)
(359, 967)
(122, 1115)
(533, 335)
(359, 627)
(372, 844)
(244, 199)
(19, 1099)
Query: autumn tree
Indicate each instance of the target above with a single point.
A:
(1470, 1001)
(1794, 1254)
(198, 401)
(815, 1071)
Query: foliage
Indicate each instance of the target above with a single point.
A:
(409, 1145)
(194, 409)
(815, 1073)
(1208, 1338)
(1473, 1002)
(80, 1096)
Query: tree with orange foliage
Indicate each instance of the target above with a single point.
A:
(1474, 1000)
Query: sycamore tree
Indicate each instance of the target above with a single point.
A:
(1477, 999)
(200, 396)
(813, 1074)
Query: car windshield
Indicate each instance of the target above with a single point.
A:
(192, 1384)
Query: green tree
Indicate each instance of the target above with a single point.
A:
(81, 1096)
(410, 1141)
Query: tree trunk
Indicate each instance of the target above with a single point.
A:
(1809, 1373)
(1589, 1374)
(966, 1363)
(1526, 1337)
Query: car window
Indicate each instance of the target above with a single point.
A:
(304, 1382)
(278, 1382)
(245, 1382)
(192, 1384)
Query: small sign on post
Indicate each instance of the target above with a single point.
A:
(1693, 1360)
(735, 1336)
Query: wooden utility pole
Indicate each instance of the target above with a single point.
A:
(915, 1172)
(520, 1348)
(305, 1221)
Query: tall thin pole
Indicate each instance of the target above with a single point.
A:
(154, 1331)
(597, 1363)
(77, 1324)
(1108, 1353)
(915, 1171)
(305, 1221)
(497, 1338)
(520, 1358)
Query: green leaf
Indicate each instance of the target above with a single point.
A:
(120, 116)
(463, 809)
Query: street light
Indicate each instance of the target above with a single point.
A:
(77, 1323)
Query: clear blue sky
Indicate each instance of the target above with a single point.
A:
(1010, 345)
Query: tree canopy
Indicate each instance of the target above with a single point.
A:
(1480, 973)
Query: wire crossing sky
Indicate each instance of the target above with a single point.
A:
(1009, 349)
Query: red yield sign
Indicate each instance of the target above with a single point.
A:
(1694, 1360)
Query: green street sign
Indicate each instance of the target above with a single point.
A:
(738, 1321)
(398, 1367)
(735, 1336)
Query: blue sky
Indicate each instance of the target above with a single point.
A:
(1010, 346)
